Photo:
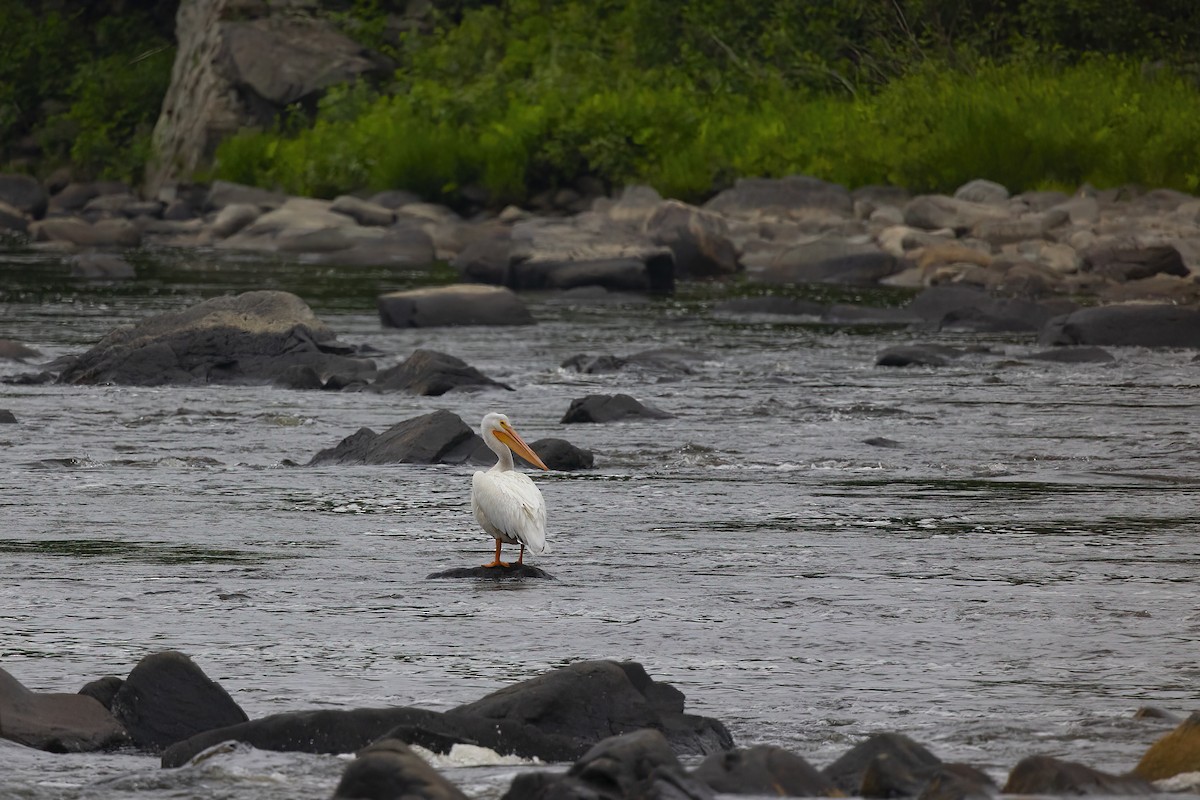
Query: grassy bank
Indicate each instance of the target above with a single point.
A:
(1025, 124)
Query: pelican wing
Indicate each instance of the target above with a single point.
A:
(508, 503)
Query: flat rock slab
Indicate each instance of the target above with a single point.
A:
(513, 572)
(459, 304)
(59, 723)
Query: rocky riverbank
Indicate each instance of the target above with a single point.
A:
(623, 733)
(1055, 250)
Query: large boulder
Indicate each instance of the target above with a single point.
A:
(242, 67)
(591, 700)
(60, 723)
(640, 764)
(762, 770)
(1042, 775)
(935, 212)
(1134, 263)
(699, 240)
(829, 261)
(430, 373)
(389, 770)
(961, 308)
(848, 771)
(460, 304)
(248, 338)
(610, 408)
(440, 437)
(167, 698)
(587, 250)
(1157, 325)
(1175, 753)
(556, 716)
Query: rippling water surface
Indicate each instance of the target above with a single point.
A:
(1015, 575)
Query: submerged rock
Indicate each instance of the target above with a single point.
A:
(1157, 325)
(512, 572)
(247, 338)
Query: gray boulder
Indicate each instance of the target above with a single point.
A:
(561, 455)
(362, 211)
(934, 212)
(848, 770)
(459, 304)
(244, 339)
(1134, 263)
(167, 698)
(1157, 325)
(80, 232)
(830, 261)
(753, 195)
(59, 723)
(440, 437)
(610, 408)
(699, 240)
(981, 190)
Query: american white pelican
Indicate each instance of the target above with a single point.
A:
(507, 503)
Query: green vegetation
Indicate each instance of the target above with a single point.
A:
(526, 95)
(82, 83)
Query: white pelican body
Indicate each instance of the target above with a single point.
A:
(506, 503)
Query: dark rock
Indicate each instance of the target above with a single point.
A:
(461, 304)
(591, 700)
(7, 417)
(320, 731)
(167, 699)
(13, 350)
(768, 304)
(559, 454)
(830, 261)
(954, 307)
(654, 273)
(389, 770)
(848, 771)
(610, 408)
(762, 770)
(59, 723)
(245, 339)
(101, 267)
(639, 765)
(440, 437)
(1074, 355)
(299, 376)
(1175, 753)
(1125, 325)
(881, 441)
(699, 240)
(917, 355)
(513, 572)
(794, 192)
(957, 782)
(1048, 775)
(24, 194)
(103, 689)
(1134, 263)
(555, 716)
(432, 374)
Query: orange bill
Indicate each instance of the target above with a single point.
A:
(515, 443)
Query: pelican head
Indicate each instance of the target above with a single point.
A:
(499, 435)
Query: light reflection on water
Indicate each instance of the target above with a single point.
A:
(1014, 577)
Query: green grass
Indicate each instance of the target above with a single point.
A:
(1027, 125)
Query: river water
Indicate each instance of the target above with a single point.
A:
(1014, 575)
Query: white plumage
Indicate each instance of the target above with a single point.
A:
(507, 503)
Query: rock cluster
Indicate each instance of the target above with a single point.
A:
(622, 733)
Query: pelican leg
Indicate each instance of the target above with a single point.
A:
(496, 562)
(521, 558)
